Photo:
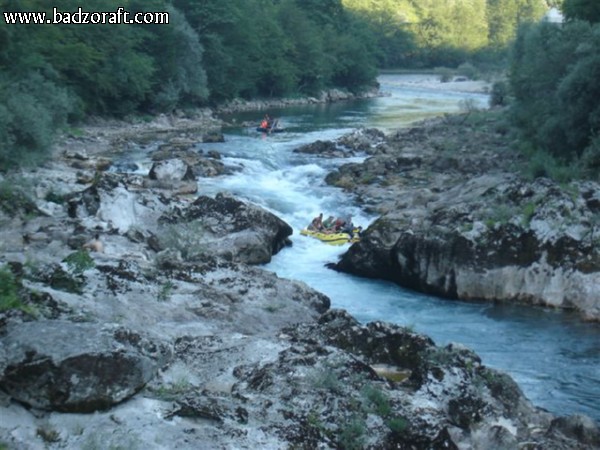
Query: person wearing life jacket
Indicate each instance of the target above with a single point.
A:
(328, 223)
(317, 223)
(265, 123)
(347, 226)
(339, 224)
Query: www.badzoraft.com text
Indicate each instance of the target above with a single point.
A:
(81, 17)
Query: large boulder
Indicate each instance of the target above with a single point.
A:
(326, 149)
(171, 170)
(76, 367)
(199, 165)
(367, 140)
(233, 229)
(108, 199)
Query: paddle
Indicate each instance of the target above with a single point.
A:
(273, 125)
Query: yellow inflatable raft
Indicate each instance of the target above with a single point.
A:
(330, 238)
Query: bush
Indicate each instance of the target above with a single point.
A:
(499, 94)
(528, 213)
(468, 70)
(542, 165)
(9, 296)
(554, 79)
(13, 199)
(79, 261)
(397, 424)
(377, 400)
(444, 73)
(352, 434)
(31, 110)
(590, 160)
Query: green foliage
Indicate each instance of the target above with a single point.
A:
(469, 71)
(544, 165)
(377, 400)
(327, 380)
(274, 308)
(214, 51)
(397, 424)
(352, 434)
(499, 94)
(500, 214)
(590, 160)
(180, 78)
(555, 79)
(261, 48)
(31, 109)
(528, 212)
(582, 9)
(174, 390)
(79, 261)
(304, 48)
(166, 290)
(54, 197)
(9, 296)
(209, 51)
(429, 33)
(14, 199)
(314, 421)
(468, 105)
(9, 293)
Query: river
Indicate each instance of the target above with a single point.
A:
(553, 356)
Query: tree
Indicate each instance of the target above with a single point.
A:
(582, 9)
(217, 28)
(305, 49)
(180, 78)
(578, 93)
(555, 79)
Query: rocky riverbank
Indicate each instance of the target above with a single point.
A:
(458, 218)
(135, 317)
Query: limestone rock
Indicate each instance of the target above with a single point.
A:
(454, 223)
(76, 367)
(325, 149)
(234, 229)
(171, 170)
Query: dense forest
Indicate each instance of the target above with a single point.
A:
(210, 52)
(430, 33)
(555, 81)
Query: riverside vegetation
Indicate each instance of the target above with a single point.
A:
(55, 76)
